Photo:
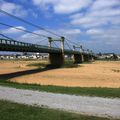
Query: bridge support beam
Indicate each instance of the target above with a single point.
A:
(78, 58)
(86, 57)
(91, 58)
(56, 59)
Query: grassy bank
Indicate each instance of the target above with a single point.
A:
(14, 111)
(101, 92)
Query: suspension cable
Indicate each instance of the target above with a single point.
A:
(29, 23)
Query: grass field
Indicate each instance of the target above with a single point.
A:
(100, 92)
(98, 73)
(14, 111)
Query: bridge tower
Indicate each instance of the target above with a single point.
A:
(91, 56)
(78, 58)
(56, 59)
(87, 56)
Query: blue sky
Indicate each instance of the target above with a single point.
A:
(93, 23)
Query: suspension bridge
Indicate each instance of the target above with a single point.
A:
(56, 54)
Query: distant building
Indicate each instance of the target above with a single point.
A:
(24, 56)
(118, 57)
(107, 56)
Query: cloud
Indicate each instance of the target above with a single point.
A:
(63, 6)
(94, 32)
(64, 32)
(12, 8)
(93, 23)
(103, 4)
(88, 22)
(69, 33)
(102, 12)
(109, 34)
(102, 39)
(13, 30)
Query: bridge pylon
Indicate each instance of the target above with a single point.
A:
(56, 59)
(78, 58)
(88, 57)
(92, 58)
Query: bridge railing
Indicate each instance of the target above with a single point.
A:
(30, 45)
(17, 43)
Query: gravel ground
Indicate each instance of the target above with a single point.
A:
(96, 106)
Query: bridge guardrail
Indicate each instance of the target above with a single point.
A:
(23, 44)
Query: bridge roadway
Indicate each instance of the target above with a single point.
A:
(16, 46)
(56, 55)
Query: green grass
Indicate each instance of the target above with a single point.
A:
(100, 92)
(14, 111)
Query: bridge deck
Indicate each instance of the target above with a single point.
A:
(16, 46)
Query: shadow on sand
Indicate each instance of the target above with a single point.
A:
(26, 72)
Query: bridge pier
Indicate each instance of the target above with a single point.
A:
(86, 57)
(56, 59)
(91, 58)
(78, 58)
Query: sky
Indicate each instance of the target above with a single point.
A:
(95, 24)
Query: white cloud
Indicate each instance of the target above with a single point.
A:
(105, 12)
(88, 21)
(106, 39)
(64, 32)
(70, 31)
(94, 31)
(100, 13)
(109, 34)
(102, 39)
(100, 22)
(71, 6)
(115, 20)
(63, 6)
(13, 30)
(103, 4)
(13, 8)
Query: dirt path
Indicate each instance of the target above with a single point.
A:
(95, 106)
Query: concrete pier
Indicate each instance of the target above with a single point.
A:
(56, 59)
(86, 57)
(78, 58)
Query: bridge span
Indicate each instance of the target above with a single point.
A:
(56, 55)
